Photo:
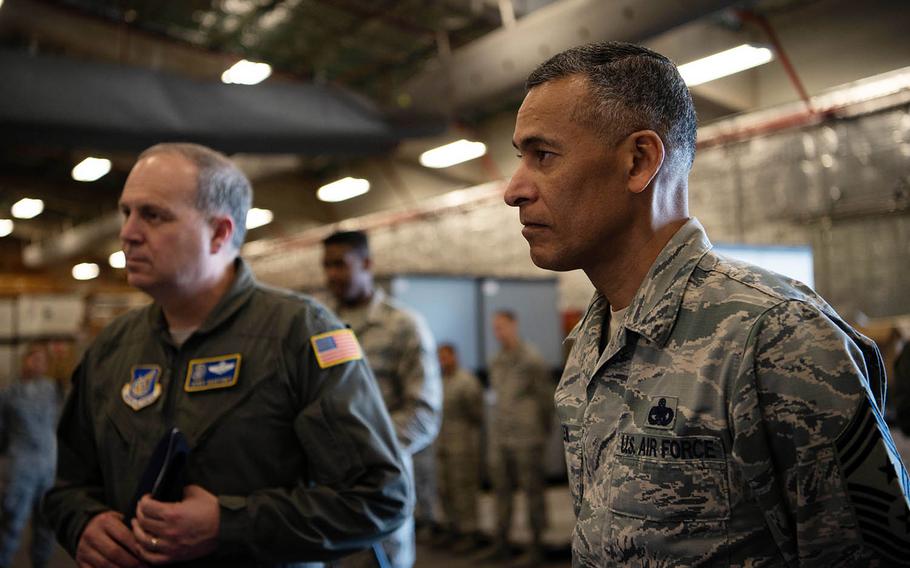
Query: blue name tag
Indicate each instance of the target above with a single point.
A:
(212, 373)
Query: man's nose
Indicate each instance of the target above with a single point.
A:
(519, 190)
(129, 231)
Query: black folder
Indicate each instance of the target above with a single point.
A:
(165, 474)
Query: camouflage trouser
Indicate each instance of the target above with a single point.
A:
(459, 483)
(21, 500)
(519, 468)
(425, 485)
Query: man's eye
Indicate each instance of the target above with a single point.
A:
(544, 156)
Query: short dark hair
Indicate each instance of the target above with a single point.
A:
(448, 347)
(508, 314)
(357, 240)
(220, 186)
(633, 88)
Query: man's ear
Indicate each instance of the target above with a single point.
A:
(646, 153)
(222, 232)
(368, 263)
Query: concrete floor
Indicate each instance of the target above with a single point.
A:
(556, 538)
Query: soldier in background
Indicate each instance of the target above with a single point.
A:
(521, 422)
(713, 413)
(401, 352)
(459, 450)
(28, 418)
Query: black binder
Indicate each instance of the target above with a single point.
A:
(165, 474)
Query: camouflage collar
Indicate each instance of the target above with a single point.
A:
(653, 310)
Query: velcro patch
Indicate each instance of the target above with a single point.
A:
(212, 373)
(144, 387)
(669, 447)
(336, 347)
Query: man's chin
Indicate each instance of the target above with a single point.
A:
(548, 261)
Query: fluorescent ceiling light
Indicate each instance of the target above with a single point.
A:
(345, 188)
(247, 73)
(256, 217)
(91, 169)
(724, 63)
(6, 225)
(85, 271)
(27, 208)
(451, 154)
(117, 260)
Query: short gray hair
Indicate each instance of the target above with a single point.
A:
(220, 187)
(633, 88)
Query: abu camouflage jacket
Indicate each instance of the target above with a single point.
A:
(730, 422)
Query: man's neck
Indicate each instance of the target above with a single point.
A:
(619, 277)
(190, 310)
(363, 299)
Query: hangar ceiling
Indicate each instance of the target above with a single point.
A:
(382, 55)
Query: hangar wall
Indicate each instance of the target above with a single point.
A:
(841, 186)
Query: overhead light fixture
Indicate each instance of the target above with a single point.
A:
(342, 189)
(257, 217)
(6, 225)
(725, 63)
(451, 154)
(117, 260)
(246, 73)
(26, 208)
(91, 169)
(86, 271)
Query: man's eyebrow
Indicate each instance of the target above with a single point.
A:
(535, 141)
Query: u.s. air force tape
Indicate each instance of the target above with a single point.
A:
(670, 447)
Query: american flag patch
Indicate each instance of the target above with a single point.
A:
(335, 347)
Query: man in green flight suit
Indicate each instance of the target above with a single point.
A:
(293, 455)
(713, 413)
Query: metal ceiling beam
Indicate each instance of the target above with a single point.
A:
(500, 61)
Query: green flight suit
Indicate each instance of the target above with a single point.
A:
(303, 459)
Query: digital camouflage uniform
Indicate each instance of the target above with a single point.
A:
(459, 449)
(522, 416)
(28, 416)
(402, 354)
(297, 446)
(731, 421)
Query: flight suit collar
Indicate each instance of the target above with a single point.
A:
(239, 292)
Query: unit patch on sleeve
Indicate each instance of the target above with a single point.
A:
(144, 387)
(336, 347)
(212, 373)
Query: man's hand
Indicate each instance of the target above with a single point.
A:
(106, 542)
(174, 532)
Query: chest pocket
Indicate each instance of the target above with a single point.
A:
(667, 499)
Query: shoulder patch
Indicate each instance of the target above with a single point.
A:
(877, 484)
(336, 347)
(212, 373)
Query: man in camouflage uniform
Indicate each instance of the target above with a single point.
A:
(713, 413)
(28, 417)
(459, 449)
(521, 421)
(401, 352)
